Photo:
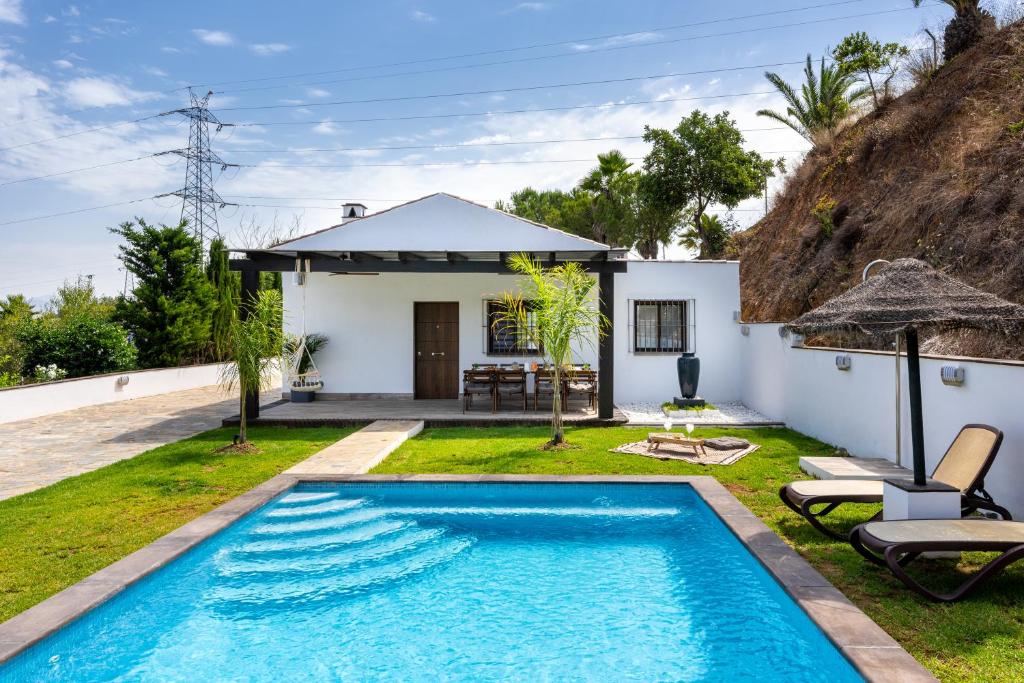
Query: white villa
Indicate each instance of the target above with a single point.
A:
(405, 297)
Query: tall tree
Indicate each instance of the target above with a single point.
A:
(869, 59)
(969, 23)
(822, 105)
(15, 306)
(168, 312)
(563, 314)
(610, 190)
(700, 163)
(227, 287)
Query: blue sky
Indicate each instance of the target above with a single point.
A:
(65, 68)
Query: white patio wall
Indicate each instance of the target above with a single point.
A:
(714, 286)
(369, 322)
(35, 400)
(855, 409)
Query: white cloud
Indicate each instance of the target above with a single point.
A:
(171, 50)
(318, 92)
(218, 38)
(419, 15)
(527, 7)
(617, 41)
(11, 12)
(71, 11)
(101, 92)
(63, 64)
(49, 19)
(269, 49)
(325, 128)
(155, 71)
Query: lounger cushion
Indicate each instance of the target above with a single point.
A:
(859, 488)
(947, 530)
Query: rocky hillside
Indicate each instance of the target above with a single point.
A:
(938, 174)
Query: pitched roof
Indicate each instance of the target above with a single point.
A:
(441, 222)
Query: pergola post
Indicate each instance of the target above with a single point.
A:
(250, 290)
(606, 347)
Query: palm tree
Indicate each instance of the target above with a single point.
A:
(256, 339)
(969, 23)
(824, 102)
(601, 183)
(561, 316)
(716, 236)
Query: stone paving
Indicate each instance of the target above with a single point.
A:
(41, 451)
(727, 414)
(359, 452)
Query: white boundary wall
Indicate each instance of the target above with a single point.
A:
(855, 409)
(35, 400)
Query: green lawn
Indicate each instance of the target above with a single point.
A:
(981, 639)
(56, 536)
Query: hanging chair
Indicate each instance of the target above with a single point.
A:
(302, 371)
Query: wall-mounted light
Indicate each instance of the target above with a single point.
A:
(952, 375)
(745, 330)
(843, 361)
(784, 332)
(123, 380)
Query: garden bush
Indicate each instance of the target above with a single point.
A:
(80, 345)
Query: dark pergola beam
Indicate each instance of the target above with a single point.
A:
(606, 347)
(363, 256)
(405, 256)
(453, 256)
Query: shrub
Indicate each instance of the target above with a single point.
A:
(822, 211)
(81, 345)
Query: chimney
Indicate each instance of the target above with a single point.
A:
(352, 210)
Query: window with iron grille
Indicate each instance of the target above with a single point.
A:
(662, 326)
(507, 337)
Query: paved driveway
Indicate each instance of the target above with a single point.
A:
(38, 452)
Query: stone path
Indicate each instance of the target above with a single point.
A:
(41, 451)
(727, 414)
(359, 452)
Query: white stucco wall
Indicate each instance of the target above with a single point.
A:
(35, 400)
(855, 409)
(369, 321)
(714, 286)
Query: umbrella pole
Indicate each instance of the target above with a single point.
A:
(899, 445)
(916, 417)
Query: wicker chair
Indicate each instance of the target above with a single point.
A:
(544, 386)
(478, 383)
(581, 383)
(510, 382)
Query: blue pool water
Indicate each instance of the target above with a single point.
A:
(423, 581)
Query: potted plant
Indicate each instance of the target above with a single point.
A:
(304, 378)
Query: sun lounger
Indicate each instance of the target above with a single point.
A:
(897, 543)
(964, 466)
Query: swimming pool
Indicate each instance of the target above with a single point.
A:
(454, 581)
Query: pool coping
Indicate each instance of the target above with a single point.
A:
(873, 652)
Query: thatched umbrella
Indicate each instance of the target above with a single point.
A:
(906, 296)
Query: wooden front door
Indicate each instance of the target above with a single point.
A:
(437, 350)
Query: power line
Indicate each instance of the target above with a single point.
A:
(599, 50)
(75, 211)
(533, 46)
(504, 143)
(80, 132)
(499, 112)
(79, 170)
(525, 88)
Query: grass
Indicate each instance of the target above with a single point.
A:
(53, 537)
(976, 640)
(672, 407)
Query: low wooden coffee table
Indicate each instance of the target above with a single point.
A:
(655, 439)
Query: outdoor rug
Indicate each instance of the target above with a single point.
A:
(670, 452)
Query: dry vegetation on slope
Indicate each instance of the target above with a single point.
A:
(937, 174)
